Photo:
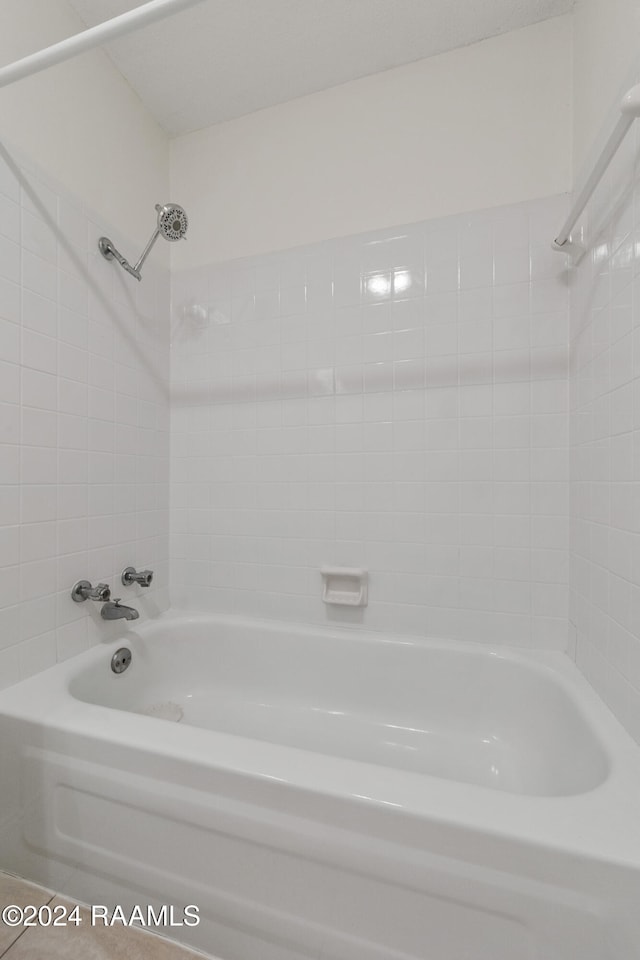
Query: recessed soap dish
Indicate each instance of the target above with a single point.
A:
(345, 586)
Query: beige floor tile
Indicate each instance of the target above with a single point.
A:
(13, 890)
(85, 942)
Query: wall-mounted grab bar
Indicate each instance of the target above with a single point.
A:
(630, 111)
(93, 37)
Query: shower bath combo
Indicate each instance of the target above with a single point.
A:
(172, 224)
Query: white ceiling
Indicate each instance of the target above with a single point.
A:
(225, 58)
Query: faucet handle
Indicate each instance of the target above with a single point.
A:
(130, 575)
(82, 590)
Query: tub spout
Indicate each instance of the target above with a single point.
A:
(114, 610)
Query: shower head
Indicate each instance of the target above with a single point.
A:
(172, 224)
(172, 221)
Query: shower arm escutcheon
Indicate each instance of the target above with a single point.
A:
(172, 224)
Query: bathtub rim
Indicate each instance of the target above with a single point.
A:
(455, 656)
(600, 823)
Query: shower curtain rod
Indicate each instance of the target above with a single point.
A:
(93, 37)
(630, 111)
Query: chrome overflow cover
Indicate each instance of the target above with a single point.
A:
(121, 660)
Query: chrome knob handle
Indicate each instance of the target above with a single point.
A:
(130, 575)
(83, 590)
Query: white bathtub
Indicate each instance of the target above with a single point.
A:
(331, 796)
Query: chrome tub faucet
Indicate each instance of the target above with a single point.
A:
(114, 610)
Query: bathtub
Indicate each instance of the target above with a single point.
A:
(326, 795)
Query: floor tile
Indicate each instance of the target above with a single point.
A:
(13, 890)
(85, 942)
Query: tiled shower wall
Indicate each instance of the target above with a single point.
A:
(395, 401)
(84, 424)
(605, 442)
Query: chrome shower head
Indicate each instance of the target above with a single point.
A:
(172, 221)
(172, 224)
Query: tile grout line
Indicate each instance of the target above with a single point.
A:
(25, 930)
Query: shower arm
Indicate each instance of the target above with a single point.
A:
(109, 252)
(147, 250)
